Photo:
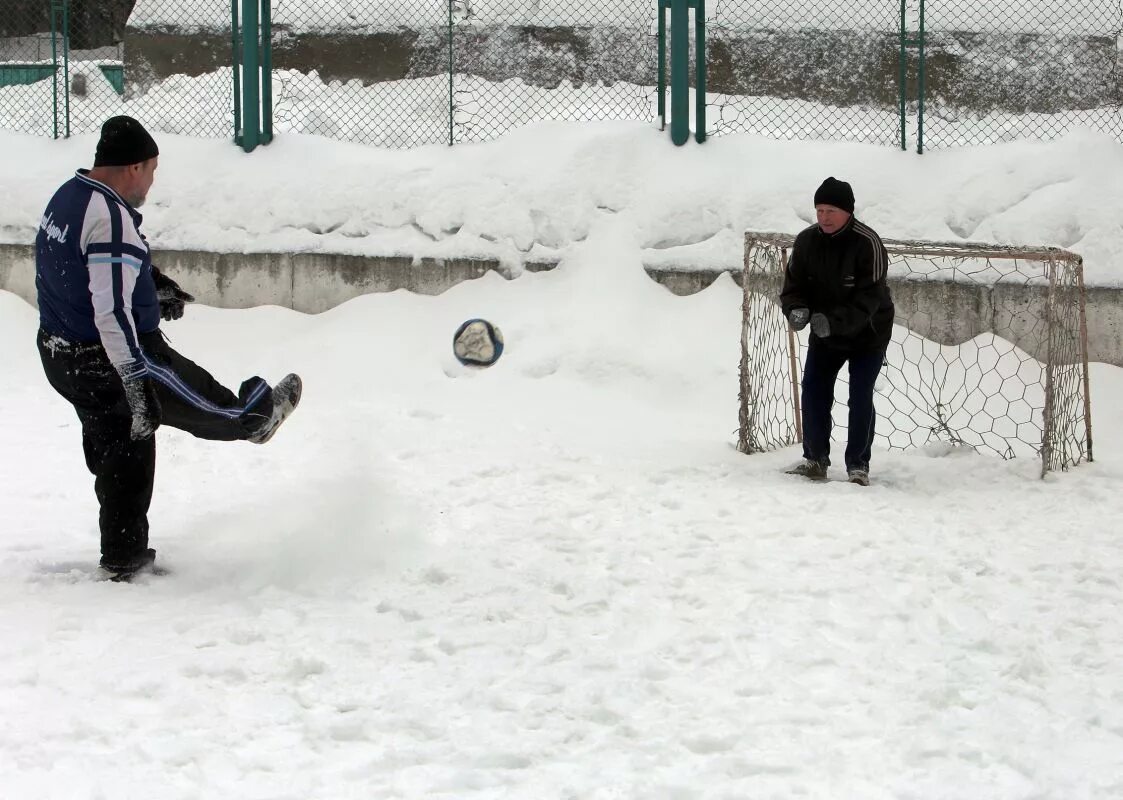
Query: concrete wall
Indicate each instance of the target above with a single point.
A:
(943, 311)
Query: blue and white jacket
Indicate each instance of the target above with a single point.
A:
(93, 272)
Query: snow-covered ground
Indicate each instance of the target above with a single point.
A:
(556, 578)
(539, 190)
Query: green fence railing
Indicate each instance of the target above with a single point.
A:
(682, 76)
(251, 37)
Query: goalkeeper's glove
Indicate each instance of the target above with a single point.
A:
(798, 318)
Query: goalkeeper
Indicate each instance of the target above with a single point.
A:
(835, 282)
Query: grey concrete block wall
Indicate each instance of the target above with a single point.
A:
(1105, 325)
(322, 280)
(17, 270)
(231, 280)
(944, 311)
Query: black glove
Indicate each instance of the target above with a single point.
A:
(145, 408)
(798, 318)
(820, 325)
(172, 298)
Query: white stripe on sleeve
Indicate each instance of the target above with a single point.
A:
(113, 315)
(878, 262)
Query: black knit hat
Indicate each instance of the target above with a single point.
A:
(836, 193)
(124, 141)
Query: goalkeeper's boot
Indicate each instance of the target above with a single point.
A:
(810, 468)
(859, 476)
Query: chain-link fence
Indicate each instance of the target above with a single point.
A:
(67, 65)
(997, 71)
(470, 70)
(989, 352)
(60, 65)
(931, 74)
(179, 76)
(805, 69)
(937, 74)
(521, 62)
(373, 72)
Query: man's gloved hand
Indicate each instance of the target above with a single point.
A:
(172, 298)
(820, 325)
(798, 318)
(145, 408)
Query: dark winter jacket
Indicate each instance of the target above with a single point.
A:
(842, 275)
(93, 272)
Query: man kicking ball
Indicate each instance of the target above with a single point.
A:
(100, 305)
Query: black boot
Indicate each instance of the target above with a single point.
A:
(124, 570)
(286, 397)
(810, 468)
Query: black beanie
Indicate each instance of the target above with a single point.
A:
(124, 141)
(836, 193)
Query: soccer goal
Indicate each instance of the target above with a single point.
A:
(989, 351)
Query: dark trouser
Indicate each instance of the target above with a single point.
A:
(123, 469)
(819, 374)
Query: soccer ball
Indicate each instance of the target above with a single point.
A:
(477, 343)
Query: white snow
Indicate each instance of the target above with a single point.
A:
(555, 578)
(538, 191)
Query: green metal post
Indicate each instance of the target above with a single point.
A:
(236, 61)
(66, 62)
(54, 72)
(662, 63)
(266, 71)
(251, 82)
(902, 78)
(680, 76)
(921, 86)
(451, 101)
(700, 69)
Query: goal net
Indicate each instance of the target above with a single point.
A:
(989, 351)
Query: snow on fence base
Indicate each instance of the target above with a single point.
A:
(1009, 378)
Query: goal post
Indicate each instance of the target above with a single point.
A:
(989, 351)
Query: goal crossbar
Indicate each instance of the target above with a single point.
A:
(920, 247)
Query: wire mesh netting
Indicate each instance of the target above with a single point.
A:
(989, 352)
(57, 65)
(68, 65)
(518, 63)
(369, 72)
(446, 71)
(460, 71)
(967, 71)
(768, 415)
(804, 69)
(1013, 70)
